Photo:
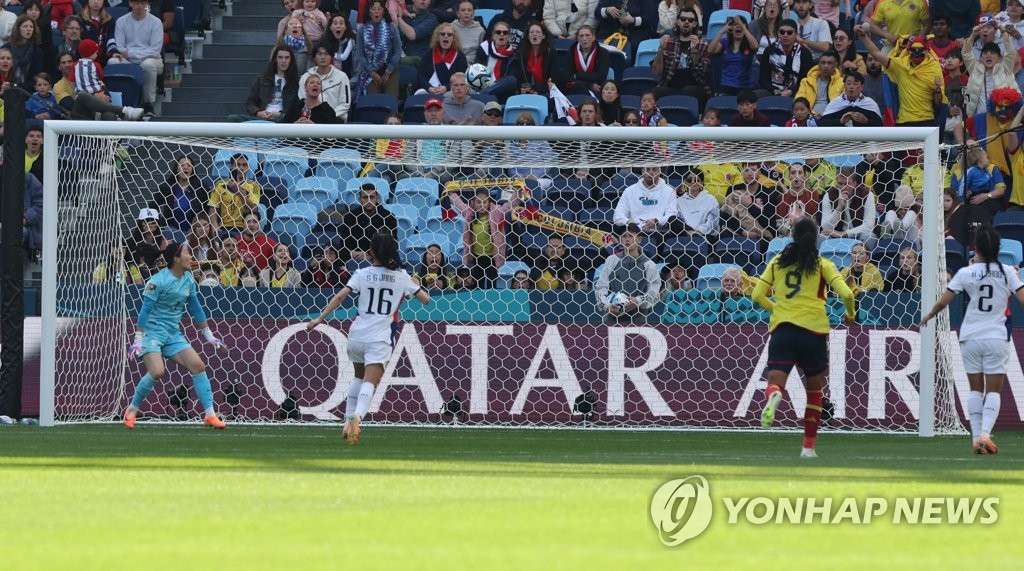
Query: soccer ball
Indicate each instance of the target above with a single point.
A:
(478, 76)
(617, 298)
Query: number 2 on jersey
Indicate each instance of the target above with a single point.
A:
(985, 297)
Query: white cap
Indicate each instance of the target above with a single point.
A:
(149, 214)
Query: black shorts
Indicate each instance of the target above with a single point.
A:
(790, 345)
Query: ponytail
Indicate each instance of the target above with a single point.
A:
(802, 252)
(986, 243)
(385, 250)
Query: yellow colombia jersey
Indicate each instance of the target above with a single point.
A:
(800, 298)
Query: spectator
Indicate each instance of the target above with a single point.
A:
(464, 279)
(547, 268)
(140, 40)
(650, 115)
(335, 86)
(314, 21)
(417, 28)
(312, 108)
(802, 116)
(116, 269)
(64, 89)
(862, 275)
(991, 72)
(25, 47)
(446, 59)
(147, 241)
(585, 66)
(902, 221)
(589, 115)
(254, 247)
(848, 208)
(907, 277)
(182, 194)
(497, 54)
(32, 214)
(821, 175)
(987, 30)
(892, 20)
(631, 118)
(34, 151)
(648, 203)
(361, 224)
(326, 269)
(521, 280)
(719, 178)
(235, 197)
(490, 151)
(982, 188)
(852, 108)
(765, 26)
(747, 114)
(280, 273)
(433, 271)
(749, 208)
(954, 216)
(913, 67)
(518, 17)
(736, 44)
(378, 51)
(340, 40)
(736, 283)
(823, 83)
(635, 20)
(630, 284)
(681, 63)
(814, 33)
(529, 152)
(468, 30)
(483, 234)
(459, 107)
(676, 278)
(784, 62)
(849, 59)
(68, 42)
(796, 200)
(873, 85)
(230, 262)
(42, 104)
(202, 239)
(34, 10)
(939, 41)
(274, 90)
(668, 11)
(294, 36)
(91, 100)
(610, 105)
(98, 26)
(563, 18)
(961, 15)
(7, 19)
(954, 74)
(535, 61)
(698, 211)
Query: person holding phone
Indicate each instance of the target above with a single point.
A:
(234, 198)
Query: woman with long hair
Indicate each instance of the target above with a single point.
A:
(849, 59)
(341, 41)
(25, 47)
(610, 104)
(371, 337)
(737, 46)
(280, 273)
(202, 239)
(585, 65)
(984, 334)
(906, 277)
(98, 26)
(435, 72)
(274, 90)
(535, 61)
(799, 324)
(765, 26)
(378, 50)
(312, 108)
(182, 195)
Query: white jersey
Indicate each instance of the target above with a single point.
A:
(381, 291)
(989, 291)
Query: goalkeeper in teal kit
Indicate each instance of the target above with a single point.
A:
(158, 332)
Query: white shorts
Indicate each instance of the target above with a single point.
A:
(985, 356)
(369, 352)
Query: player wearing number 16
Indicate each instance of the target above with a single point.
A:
(799, 324)
(158, 332)
(381, 288)
(985, 331)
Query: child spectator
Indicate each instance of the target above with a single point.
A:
(483, 235)
(326, 270)
(42, 104)
(907, 277)
(464, 279)
(677, 279)
(801, 114)
(650, 115)
(314, 21)
(862, 275)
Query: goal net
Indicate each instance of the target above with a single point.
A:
(278, 215)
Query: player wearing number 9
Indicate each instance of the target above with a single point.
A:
(985, 331)
(380, 288)
(799, 325)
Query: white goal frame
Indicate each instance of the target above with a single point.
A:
(927, 138)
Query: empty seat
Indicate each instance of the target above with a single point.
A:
(316, 190)
(536, 105)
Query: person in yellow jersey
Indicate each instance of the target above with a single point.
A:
(799, 325)
(917, 72)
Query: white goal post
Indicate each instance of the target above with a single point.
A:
(505, 365)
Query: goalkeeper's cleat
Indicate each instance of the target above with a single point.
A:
(129, 418)
(768, 415)
(351, 430)
(213, 422)
(808, 453)
(987, 445)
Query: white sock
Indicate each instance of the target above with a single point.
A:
(990, 412)
(353, 397)
(210, 412)
(365, 394)
(974, 399)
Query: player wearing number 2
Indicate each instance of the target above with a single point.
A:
(985, 331)
(381, 289)
(799, 324)
(158, 332)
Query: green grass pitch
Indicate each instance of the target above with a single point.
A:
(176, 497)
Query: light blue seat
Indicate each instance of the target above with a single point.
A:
(414, 246)
(719, 17)
(420, 192)
(287, 163)
(838, 251)
(646, 51)
(339, 164)
(1010, 252)
(710, 275)
(320, 191)
(408, 219)
(295, 220)
(508, 270)
(222, 162)
(776, 246)
(431, 213)
(486, 15)
(350, 194)
(536, 105)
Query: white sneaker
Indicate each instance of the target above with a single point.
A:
(808, 453)
(131, 113)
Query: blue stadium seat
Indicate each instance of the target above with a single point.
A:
(1010, 225)
(1010, 252)
(690, 251)
(681, 110)
(646, 51)
(710, 275)
(486, 15)
(412, 112)
(125, 78)
(629, 102)
(536, 105)
(637, 80)
(726, 105)
(778, 108)
(339, 164)
(508, 270)
(420, 192)
(838, 250)
(956, 255)
(569, 192)
(775, 247)
(740, 251)
(618, 62)
(320, 191)
(295, 221)
(350, 194)
(320, 240)
(287, 163)
(408, 219)
(373, 108)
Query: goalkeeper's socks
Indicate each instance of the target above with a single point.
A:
(353, 397)
(142, 391)
(993, 400)
(974, 404)
(202, 384)
(812, 417)
(365, 395)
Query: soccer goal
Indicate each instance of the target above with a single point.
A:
(524, 346)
